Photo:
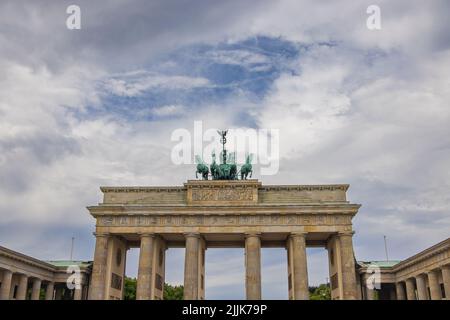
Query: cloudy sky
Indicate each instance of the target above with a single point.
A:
(97, 106)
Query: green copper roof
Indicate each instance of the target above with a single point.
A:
(66, 263)
(381, 263)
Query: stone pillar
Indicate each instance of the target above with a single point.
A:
(369, 293)
(253, 266)
(348, 266)
(145, 271)
(98, 276)
(191, 270)
(446, 280)
(5, 289)
(49, 291)
(36, 291)
(201, 269)
(400, 291)
(421, 287)
(435, 289)
(23, 286)
(78, 293)
(299, 276)
(158, 269)
(410, 289)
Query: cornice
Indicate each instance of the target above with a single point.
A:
(343, 209)
(221, 184)
(17, 256)
(142, 189)
(343, 187)
(423, 255)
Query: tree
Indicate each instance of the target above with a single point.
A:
(173, 292)
(130, 288)
(170, 292)
(322, 292)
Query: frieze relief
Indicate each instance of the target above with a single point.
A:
(221, 220)
(216, 194)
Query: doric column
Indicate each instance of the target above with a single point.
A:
(78, 293)
(400, 291)
(23, 286)
(410, 289)
(36, 290)
(435, 289)
(145, 271)
(49, 291)
(201, 269)
(191, 270)
(253, 266)
(446, 279)
(369, 293)
(299, 277)
(5, 289)
(421, 287)
(348, 266)
(98, 276)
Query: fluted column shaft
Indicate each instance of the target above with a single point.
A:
(36, 290)
(400, 291)
(145, 271)
(410, 290)
(300, 266)
(23, 286)
(348, 266)
(369, 293)
(5, 289)
(49, 291)
(77, 294)
(191, 271)
(253, 266)
(435, 289)
(446, 279)
(98, 276)
(421, 287)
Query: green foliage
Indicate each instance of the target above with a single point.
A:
(322, 292)
(42, 294)
(173, 292)
(130, 288)
(170, 292)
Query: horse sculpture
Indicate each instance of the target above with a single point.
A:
(214, 167)
(246, 169)
(202, 168)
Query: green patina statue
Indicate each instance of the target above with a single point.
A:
(227, 170)
(202, 168)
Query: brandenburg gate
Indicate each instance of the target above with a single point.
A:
(221, 213)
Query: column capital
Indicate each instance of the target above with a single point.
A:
(432, 271)
(147, 234)
(346, 233)
(298, 234)
(252, 234)
(101, 234)
(192, 235)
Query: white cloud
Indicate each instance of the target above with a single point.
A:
(137, 83)
(247, 59)
(168, 110)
